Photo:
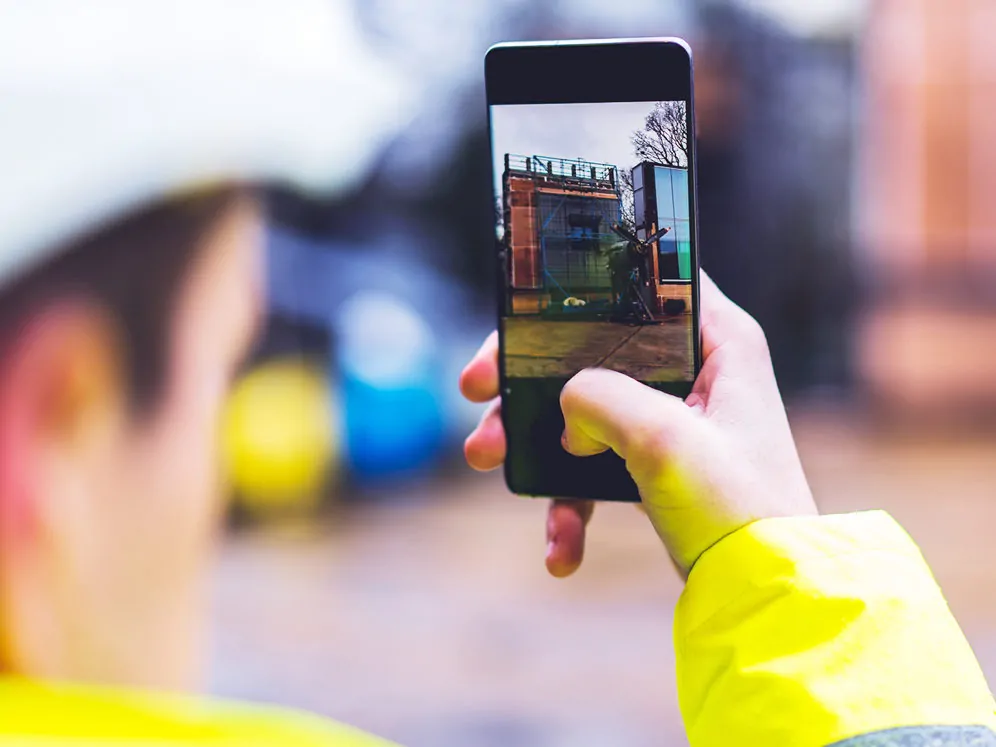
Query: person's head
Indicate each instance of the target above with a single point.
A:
(125, 307)
(115, 357)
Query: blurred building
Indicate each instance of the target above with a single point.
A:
(925, 188)
(775, 115)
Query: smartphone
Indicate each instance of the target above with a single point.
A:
(593, 170)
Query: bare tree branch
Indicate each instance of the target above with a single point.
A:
(664, 137)
(626, 208)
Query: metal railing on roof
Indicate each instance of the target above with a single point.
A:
(563, 168)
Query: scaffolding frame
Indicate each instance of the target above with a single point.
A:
(584, 184)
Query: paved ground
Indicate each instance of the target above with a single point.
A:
(432, 622)
(543, 348)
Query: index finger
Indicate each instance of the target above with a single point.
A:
(565, 530)
(479, 380)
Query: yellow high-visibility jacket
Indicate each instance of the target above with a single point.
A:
(790, 633)
(37, 714)
(822, 631)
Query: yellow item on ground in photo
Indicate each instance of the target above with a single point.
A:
(280, 437)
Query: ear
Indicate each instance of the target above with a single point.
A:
(61, 398)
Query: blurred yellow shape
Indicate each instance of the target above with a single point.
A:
(279, 436)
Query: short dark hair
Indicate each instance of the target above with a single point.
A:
(135, 267)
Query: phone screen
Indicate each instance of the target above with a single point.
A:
(596, 235)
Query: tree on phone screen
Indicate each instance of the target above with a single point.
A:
(664, 137)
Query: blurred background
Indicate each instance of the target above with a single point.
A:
(847, 160)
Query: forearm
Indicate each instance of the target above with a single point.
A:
(811, 631)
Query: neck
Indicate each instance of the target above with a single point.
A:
(53, 626)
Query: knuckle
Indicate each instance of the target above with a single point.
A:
(648, 463)
(574, 392)
(646, 446)
(755, 341)
(755, 332)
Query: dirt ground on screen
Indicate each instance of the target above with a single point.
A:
(540, 348)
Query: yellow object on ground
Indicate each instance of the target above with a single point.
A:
(809, 632)
(33, 713)
(280, 436)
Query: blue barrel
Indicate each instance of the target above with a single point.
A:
(392, 390)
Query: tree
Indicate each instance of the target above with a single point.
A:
(626, 207)
(664, 137)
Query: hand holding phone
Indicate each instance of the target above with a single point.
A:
(705, 466)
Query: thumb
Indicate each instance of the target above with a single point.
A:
(607, 410)
(666, 445)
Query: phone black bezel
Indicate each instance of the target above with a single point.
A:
(593, 71)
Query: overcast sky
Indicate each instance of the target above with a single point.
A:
(594, 132)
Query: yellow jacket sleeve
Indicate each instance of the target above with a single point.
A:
(807, 632)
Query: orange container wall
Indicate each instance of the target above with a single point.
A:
(522, 234)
